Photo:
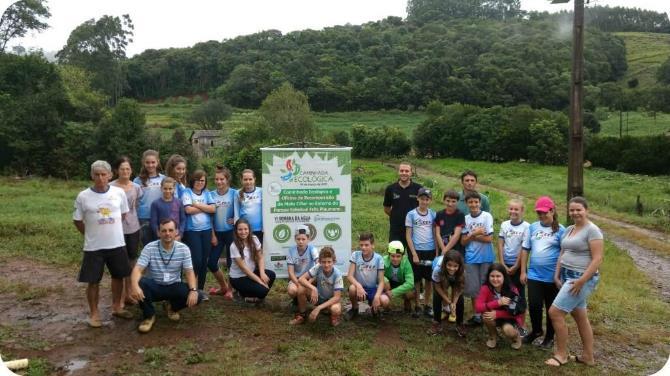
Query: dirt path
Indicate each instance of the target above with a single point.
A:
(655, 264)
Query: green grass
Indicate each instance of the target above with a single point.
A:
(225, 338)
(333, 121)
(645, 52)
(635, 124)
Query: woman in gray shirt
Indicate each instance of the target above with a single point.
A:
(577, 277)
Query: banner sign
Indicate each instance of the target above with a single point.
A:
(310, 187)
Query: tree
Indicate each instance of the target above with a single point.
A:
(663, 73)
(210, 114)
(88, 104)
(123, 132)
(21, 17)
(100, 47)
(286, 112)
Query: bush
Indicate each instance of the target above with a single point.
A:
(370, 142)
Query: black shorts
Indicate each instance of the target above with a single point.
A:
(423, 271)
(93, 264)
(132, 244)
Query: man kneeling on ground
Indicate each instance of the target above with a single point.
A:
(164, 261)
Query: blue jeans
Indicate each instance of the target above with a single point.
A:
(175, 293)
(225, 239)
(567, 302)
(200, 244)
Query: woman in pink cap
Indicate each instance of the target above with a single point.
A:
(543, 245)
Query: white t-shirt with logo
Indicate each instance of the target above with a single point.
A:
(101, 214)
(235, 271)
(513, 238)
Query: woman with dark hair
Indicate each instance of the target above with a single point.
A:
(498, 302)
(247, 272)
(449, 273)
(577, 276)
(199, 207)
(542, 244)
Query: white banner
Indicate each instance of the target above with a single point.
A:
(311, 187)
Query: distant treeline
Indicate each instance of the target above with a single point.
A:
(616, 19)
(386, 64)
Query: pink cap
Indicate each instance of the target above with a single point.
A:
(544, 204)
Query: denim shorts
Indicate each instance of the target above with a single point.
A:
(567, 302)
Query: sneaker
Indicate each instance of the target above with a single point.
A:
(474, 321)
(530, 337)
(428, 311)
(523, 332)
(298, 319)
(461, 330)
(452, 317)
(417, 312)
(547, 344)
(147, 324)
(351, 314)
(435, 329)
(516, 344)
(203, 296)
(172, 315)
(334, 320)
(123, 313)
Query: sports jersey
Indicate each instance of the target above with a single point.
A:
(302, 263)
(422, 229)
(250, 208)
(544, 247)
(479, 252)
(150, 193)
(512, 235)
(326, 285)
(366, 271)
(225, 209)
(200, 221)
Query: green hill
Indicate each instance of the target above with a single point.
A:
(644, 53)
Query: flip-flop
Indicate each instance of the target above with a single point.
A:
(124, 314)
(558, 362)
(94, 323)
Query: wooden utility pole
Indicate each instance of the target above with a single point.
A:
(576, 135)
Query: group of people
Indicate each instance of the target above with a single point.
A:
(453, 252)
(434, 258)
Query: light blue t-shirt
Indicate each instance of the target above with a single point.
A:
(366, 271)
(479, 252)
(422, 229)
(150, 193)
(326, 285)
(163, 266)
(179, 192)
(225, 209)
(302, 263)
(543, 247)
(250, 208)
(201, 221)
(513, 237)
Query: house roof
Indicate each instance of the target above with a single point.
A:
(205, 133)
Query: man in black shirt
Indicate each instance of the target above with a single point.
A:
(399, 199)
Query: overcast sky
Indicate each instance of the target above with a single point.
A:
(168, 23)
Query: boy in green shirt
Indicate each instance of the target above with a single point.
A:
(398, 275)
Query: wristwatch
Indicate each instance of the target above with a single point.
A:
(192, 289)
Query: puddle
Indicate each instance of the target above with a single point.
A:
(75, 365)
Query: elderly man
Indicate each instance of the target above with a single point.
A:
(98, 214)
(164, 260)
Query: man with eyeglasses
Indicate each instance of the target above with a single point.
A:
(398, 275)
(399, 198)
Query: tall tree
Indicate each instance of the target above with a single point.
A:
(100, 47)
(286, 112)
(21, 17)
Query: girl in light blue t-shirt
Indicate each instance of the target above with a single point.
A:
(199, 207)
(149, 180)
(248, 203)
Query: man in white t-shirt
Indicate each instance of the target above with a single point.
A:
(98, 215)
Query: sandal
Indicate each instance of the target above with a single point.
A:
(94, 323)
(124, 314)
(491, 343)
(579, 360)
(555, 359)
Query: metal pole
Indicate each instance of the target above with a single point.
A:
(576, 140)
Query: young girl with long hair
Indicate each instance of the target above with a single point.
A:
(175, 167)
(449, 273)
(497, 302)
(149, 180)
(247, 272)
(543, 246)
(222, 236)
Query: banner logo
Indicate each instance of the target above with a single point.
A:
(281, 233)
(292, 169)
(332, 232)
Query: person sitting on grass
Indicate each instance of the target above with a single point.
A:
(322, 285)
(366, 277)
(498, 302)
(449, 272)
(398, 275)
(164, 261)
(301, 258)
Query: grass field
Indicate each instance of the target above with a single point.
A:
(645, 52)
(635, 124)
(222, 338)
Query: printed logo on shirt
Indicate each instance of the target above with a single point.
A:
(105, 216)
(422, 222)
(396, 196)
(514, 234)
(540, 235)
(366, 268)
